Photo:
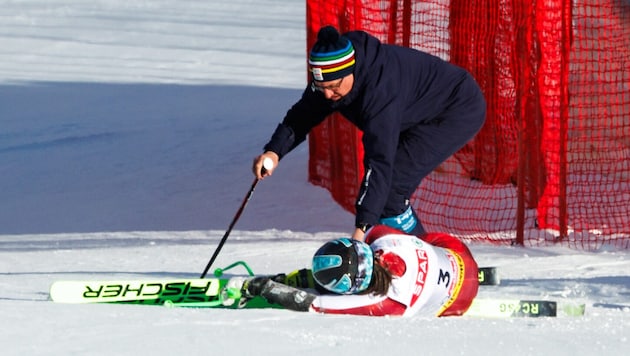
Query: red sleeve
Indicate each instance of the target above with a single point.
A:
(384, 307)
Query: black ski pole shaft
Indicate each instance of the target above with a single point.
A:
(229, 230)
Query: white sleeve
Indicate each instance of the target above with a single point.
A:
(365, 304)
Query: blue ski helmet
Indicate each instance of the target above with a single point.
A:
(343, 266)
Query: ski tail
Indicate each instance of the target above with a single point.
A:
(511, 308)
(488, 276)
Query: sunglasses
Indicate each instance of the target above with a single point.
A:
(332, 87)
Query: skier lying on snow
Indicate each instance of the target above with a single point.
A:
(391, 273)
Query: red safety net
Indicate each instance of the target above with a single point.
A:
(552, 163)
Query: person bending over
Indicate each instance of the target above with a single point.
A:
(414, 110)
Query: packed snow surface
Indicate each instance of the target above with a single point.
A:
(127, 132)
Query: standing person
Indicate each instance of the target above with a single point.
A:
(390, 274)
(415, 111)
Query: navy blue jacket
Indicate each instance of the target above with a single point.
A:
(394, 89)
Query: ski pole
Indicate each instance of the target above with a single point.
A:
(267, 166)
(227, 233)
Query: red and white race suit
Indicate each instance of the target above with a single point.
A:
(434, 275)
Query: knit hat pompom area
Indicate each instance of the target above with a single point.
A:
(332, 56)
(328, 34)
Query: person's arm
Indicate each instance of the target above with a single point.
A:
(359, 233)
(300, 300)
(358, 304)
(277, 293)
(301, 118)
(307, 113)
(380, 142)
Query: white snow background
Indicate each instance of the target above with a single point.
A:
(127, 131)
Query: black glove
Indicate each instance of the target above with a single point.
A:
(278, 293)
(255, 286)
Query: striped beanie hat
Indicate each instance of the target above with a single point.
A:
(332, 56)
